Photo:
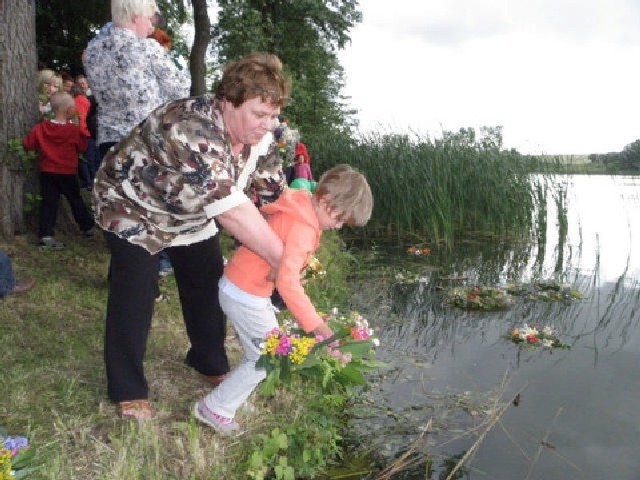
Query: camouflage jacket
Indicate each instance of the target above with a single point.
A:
(165, 182)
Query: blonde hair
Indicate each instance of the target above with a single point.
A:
(48, 77)
(61, 101)
(346, 191)
(123, 11)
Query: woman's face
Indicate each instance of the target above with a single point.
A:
(249, 122)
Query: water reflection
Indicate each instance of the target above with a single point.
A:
(576, 418)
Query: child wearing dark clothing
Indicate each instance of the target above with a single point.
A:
(59, 142)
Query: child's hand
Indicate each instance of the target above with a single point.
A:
(324, 331)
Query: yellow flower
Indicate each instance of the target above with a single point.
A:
(270, 345)
(301, 348)
(5, 464)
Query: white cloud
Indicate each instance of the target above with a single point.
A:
(560, 76)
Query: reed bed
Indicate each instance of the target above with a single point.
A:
(439, 190)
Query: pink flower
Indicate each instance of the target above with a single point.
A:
(359, 333)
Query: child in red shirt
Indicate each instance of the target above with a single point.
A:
(59, 142)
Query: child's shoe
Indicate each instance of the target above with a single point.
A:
(50, 242)
(224, 425)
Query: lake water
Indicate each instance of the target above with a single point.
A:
(577, 414)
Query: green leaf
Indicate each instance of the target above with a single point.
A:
(357, 348)
(283, 441)
(23, 458)
(268, 387)
(351, 374)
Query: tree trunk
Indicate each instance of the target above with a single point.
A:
(18, 103)
(197, 58)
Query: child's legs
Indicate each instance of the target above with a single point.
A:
(84, 172)
(50, 195)
(93, 158)
(250, 324)
(70, 189)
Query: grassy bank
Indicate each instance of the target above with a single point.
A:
(54, 382)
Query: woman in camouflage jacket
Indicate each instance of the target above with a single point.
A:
(192, 165)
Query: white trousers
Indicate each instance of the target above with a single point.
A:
(252, 317)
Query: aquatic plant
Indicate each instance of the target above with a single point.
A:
(437, 189)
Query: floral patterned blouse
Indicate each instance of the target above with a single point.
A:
(129, 76)
(166, 181)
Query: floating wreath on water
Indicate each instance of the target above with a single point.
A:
(534, 336)
(479, 298)
(497, 298)
(417, 251)
(550, 291)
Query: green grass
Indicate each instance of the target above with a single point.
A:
(53, 379)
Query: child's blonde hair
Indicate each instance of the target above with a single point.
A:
(61, 101)
(48, 77)
(346, 191)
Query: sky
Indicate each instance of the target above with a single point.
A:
(561, 77)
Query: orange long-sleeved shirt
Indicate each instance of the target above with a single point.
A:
(294, 220)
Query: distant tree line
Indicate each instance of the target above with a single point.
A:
(628, 160)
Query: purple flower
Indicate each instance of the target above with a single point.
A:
(15, 444)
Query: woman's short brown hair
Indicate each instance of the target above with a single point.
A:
(347, 192)
(255, 75)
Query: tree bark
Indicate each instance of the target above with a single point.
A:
(197, 58)
(18, 103)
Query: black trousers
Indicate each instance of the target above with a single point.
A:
(52, 185)
(133, 276)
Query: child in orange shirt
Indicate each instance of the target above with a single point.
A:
(298, 217)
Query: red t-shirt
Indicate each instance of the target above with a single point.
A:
(82, 107)
(59, 146)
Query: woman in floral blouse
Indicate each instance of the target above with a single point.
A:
(190, 166)
(130, 74)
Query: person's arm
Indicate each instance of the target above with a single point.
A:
(174, 83)
(301, 241)
(30, 142)
(249, 227)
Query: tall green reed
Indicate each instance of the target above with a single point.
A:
(437, 190)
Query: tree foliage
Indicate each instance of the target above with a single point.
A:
(631, 156)
(63, 28)
(306, 35)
